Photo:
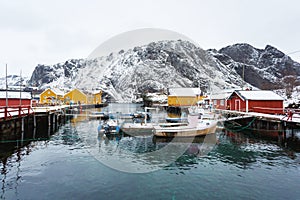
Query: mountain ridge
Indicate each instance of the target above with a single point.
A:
(164, 64)
(153, 67)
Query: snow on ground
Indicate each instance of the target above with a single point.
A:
(159, 98)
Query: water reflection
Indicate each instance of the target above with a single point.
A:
(244, 150)
(239, 151)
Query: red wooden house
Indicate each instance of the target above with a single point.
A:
(219, 101)
(15, 98)
(261, 101)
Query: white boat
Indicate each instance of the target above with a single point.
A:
(138, 129)
(110, 126)
(182, 119)
(134, 129)
(195, 127)
(98, 115)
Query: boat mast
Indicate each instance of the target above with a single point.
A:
(6, 86)
(20, 87)
(145, 116)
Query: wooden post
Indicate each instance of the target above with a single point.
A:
(20, 111)
(15, 126)
(49, 131)
(268, 125)
(53, 122)
(49, 119)
(34, 121)
(22, 125)
(56, 121)
(34, 133)
(22, 134)
(284, 131)
(5, 113)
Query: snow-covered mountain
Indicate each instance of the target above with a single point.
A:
(153, 67)
(263, 68)
(13, 82)
(164, 64)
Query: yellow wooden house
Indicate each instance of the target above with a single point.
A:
(51, 96)
(97, 97)
(75, 96)
(178, 97)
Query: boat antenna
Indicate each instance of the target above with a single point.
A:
(6, 85)
(20, 87)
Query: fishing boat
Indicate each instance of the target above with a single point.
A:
(142, 115)
(126, 115)
(98, 115)
(110, 126)
(183, 118)
(195, 127)
(138, 129)
(135, 129)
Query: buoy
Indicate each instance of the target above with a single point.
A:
(117, 129)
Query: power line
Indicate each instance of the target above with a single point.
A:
(293, 52)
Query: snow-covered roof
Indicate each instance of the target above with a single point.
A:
(75, 90)
(220, 95)
(57, 91)
(14, 95)
(258, 95)
(97, 92)
(184, 91)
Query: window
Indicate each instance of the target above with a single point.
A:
(222, 102)
(215, 102)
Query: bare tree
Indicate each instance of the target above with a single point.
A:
(289, 82)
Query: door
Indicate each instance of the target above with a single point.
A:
(237, 105)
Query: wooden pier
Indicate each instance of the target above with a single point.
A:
(17, 122)
(264, 125)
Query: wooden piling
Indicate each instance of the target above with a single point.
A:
(22, 125)
(34, 121)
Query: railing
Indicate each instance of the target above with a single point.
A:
(14, 111)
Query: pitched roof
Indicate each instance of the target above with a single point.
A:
(75, 90)
(258, 95)
(57, 91)
(220, 96)
(184, 91)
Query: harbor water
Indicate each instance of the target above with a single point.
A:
(76, 162)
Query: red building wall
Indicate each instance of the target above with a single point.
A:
(266, 106)
(260, 106)
(217, 104)
(234, 105)
(15, 102)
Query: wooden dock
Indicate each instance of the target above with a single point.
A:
(17, 121)
(231, 115)
(264, 125)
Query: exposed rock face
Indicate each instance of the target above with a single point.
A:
(152, 67)
(263, 68)
(161, 65)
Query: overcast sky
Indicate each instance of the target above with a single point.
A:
(48, 32)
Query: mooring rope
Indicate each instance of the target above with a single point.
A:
(241, 128)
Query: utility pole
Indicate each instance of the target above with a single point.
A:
(243, 72)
